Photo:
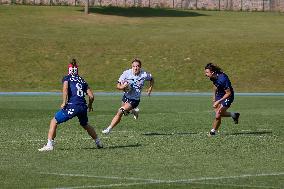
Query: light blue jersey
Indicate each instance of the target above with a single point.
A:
(136, 82)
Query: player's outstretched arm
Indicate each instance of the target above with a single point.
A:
(91, 99)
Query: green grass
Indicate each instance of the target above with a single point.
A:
(168, 144)
(37, 41)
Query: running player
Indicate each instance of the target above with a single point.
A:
(223, 96)
(131, 82)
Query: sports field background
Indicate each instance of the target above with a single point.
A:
(166, 148)
(37, 42)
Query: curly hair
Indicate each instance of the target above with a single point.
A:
(213, 68)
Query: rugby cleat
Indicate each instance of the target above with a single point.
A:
(46, 148)
(135, 113)
(99, 144)
(236, 118)
(210, 134)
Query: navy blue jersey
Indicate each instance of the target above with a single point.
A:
(222, 83)
(77, 88)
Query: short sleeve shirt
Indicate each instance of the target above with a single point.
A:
(136, 82)
(77, 88)
(222, 83)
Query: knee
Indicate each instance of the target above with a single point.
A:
(123, 111)
(218, 116)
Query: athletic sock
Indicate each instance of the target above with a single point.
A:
(109, 128)
(50, 142)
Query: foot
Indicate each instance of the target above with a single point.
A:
(135, 113)
(211, 133)
(106, 131)
(99, 144)
(46, 148)
(236, 118)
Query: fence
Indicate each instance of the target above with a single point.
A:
(237, 5)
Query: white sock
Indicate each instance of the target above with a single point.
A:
(233, 114)
(50, 142)
(109, 128)
(213, 130)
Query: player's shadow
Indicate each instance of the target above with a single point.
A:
(142, 12)
(124, 146)
(105, 147)
(251, 133)
(168, 134)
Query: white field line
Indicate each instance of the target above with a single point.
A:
(228, 177)
(102, 177)
(154, 181)
(104, 186)
(234, 185)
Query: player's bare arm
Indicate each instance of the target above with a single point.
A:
(214, 93)
(149, 90)
(64, 94)
(91, 99)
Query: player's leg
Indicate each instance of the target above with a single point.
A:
(235, 115)
(123, 110)
(135, 109)
(51, 136)
(60, 117)
(135, 113)
(83, 119)
(219, 111)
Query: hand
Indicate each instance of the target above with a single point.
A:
(125, 86)
(215, 104)
(90, 108)
(63, 105)
(149, 92)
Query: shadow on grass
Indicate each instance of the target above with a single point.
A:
(124, 146)
(107, 147)
(251, 133)
(168, 134)
(142, 12)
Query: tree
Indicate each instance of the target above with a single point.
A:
(86, 6)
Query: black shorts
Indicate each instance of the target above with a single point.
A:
(134, 103)
(227, 102)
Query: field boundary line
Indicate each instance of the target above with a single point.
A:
(107, 185)
(234, 185)
(228, 177)
(155, 181)
(103, 177)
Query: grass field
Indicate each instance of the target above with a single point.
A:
(166, 148)
(36, 42)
